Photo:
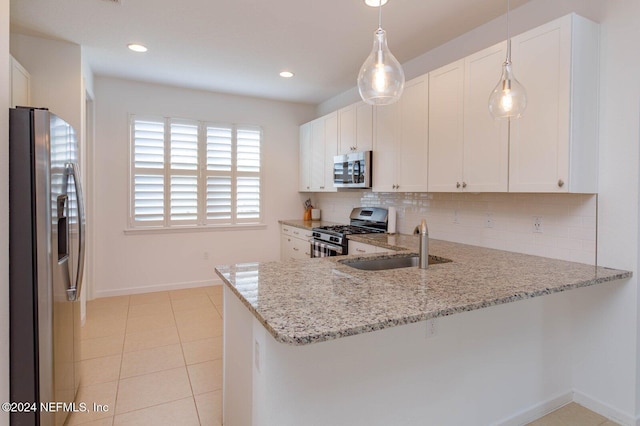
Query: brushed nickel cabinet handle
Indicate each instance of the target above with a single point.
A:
(560, 183)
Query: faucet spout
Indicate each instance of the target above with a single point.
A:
(424, 244)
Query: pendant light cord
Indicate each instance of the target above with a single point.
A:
(508, 35)
(380, 15)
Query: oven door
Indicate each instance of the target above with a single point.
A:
(325, 249)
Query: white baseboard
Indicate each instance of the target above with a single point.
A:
(544, 408)
(537, 411)
(153, 288)
(605, 410)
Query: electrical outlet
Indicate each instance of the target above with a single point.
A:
(455, 217)
(432, 328)
(537, 224)
(488, 222)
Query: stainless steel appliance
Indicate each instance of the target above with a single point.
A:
(46, 260)
(352, 170)
(333, 241)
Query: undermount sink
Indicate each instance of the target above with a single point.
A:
(394, 262)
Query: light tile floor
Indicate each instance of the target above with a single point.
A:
(153, 359)
(573, 414)
(156, 359)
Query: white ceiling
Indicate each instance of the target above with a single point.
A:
(240, 46)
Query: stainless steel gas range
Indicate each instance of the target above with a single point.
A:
(333, 241)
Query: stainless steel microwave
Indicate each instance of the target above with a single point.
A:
(352, 170)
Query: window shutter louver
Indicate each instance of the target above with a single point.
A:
(186, 173)
(149, 144)
(148, 176)
(148, 197)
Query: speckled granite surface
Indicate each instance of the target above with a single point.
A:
(306, 224)
(314, 300)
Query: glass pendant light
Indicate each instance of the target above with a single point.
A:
(508, 99)
(381, 78)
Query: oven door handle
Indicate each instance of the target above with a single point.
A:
(337, 249)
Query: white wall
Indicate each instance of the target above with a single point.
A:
(4, 207)
(56, 75)
(125, 263)
(606, 334)
(605, 321)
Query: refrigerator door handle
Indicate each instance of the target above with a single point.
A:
(74, 292)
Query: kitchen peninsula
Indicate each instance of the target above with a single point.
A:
(288, 360)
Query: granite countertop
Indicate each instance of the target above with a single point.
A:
(307, 224)
(313, 300)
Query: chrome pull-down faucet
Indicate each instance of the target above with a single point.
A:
(424, 244)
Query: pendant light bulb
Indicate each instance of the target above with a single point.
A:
(381, 78)
(508, 99)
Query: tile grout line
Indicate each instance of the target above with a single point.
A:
(115, 403)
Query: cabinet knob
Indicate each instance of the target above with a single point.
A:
(457, 184)
(560, 183)
(464, 184)
(296, 249)
(322, 187)
(397, 186)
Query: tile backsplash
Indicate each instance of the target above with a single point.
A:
(567, 222)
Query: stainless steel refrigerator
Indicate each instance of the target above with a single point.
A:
(46, 261)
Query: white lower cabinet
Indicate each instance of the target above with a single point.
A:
(356, 247)
(294, 243)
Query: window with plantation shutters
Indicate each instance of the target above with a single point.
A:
(194, 173)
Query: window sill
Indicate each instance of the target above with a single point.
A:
(194, 228)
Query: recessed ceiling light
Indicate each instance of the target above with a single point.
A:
(375, 3)
(137, 47)
(286, 74)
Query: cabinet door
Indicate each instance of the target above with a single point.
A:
(486, 140)
(347, 129)
(286, 247)
(540, 139)
(304, 180)
(317, 154)
(387, 132)
(413, 157)
(301, 249)
(364, 127)
(446, 127)
(356, 247)
(330, 150)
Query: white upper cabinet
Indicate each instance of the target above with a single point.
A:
(318, 146)
(413, 159)
(446, 127)
(486, 140)
(553, 147)
(400, 158)
(385, 149)
(305, 158)
(20, 85)
(355, 128)
(468, 149)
